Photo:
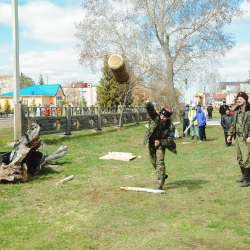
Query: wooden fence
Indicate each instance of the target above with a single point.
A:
(67, 119)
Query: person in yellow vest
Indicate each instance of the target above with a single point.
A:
(194, 125)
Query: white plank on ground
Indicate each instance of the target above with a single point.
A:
(121, 156)
(139, 189)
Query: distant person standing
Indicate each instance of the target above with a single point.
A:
(46, 110)
(185, 120)
(204, 135)
(194, 125)
(223, 108)
(39, 110)
(226, 123)
(201, 117)
(209, 111)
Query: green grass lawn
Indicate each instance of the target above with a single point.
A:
(203, 208)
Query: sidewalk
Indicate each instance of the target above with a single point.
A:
(214, 121)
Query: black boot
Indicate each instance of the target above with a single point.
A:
(166, 176)
(242, 178)
(161, 182)
(246, 181)
(192, 137)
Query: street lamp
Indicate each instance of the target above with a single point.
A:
(16, 72)
(185, 90)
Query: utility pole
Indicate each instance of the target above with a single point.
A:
(185, 90)
(16, 73)
(47, 79)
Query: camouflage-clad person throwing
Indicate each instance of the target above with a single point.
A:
(160, 135)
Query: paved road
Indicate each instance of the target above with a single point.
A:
(6, 122)
(214, 121)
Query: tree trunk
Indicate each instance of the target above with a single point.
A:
(24, 159)
(172, 100)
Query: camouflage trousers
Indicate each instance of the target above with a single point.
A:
(156, 156)
(242, 152)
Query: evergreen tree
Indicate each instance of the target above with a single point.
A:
(25, 81)
(7, 107)
(83, 102)
(41, 81)
(63, 102)
(110, 92)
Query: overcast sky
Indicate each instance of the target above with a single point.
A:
(46, 38)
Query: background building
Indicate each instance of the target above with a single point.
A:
(6, 84)
(78, 91)
(37, 94)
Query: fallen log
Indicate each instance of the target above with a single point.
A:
(24, 159)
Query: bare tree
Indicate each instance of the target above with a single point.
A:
(173, 39)
(73, 95)
(209, 82)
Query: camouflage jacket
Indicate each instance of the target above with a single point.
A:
(167, 133)
(245, 123)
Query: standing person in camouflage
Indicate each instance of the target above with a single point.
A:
(240, 130)
(160, 135)
(226, 123)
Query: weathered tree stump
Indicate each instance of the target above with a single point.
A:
(24, 159)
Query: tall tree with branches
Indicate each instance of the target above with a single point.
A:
(173, 39)
(25, 81)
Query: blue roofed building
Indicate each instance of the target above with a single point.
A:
(37, 94)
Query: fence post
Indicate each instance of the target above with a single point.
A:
(98, 111)
(24, 120)
(68, 121)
